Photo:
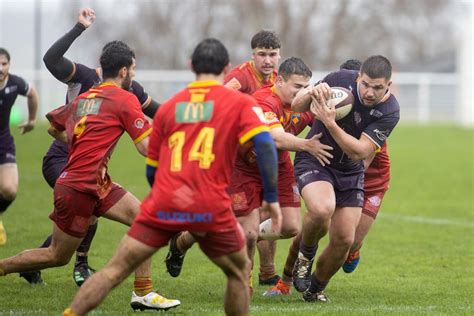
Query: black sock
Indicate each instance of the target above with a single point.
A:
(308, 251)
(81, 260)
(87, 240)
(316, 285)
(47, 242)
(4, 204)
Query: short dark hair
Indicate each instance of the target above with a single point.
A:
(294, 66)
(3, 51)
(209, 57)
(265, 39)
(351, 64)
(377, 66)
(115, 55)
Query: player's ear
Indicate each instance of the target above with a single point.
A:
(123, 72)
(389, 83)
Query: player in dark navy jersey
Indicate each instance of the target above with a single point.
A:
(79, 78)
(10, 87)
(334, 194)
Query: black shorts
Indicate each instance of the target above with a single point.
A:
(7, 150)
(348, 185)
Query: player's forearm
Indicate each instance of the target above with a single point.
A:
(350, 145)
(59, 66)
(287, 141)
(267, 160)
(302, 101)
(32, 101)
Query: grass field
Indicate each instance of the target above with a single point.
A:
(418, 258)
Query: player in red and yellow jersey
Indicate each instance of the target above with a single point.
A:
(192, 152)
(92, 125)
(259, 72)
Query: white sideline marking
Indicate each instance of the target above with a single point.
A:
(425, 220)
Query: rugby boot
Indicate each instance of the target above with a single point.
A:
(32, 277)
(309, 296)
(81, 273)
(152, 301)
(351, 262)
(175, 258)
(281, 288)
(302, 272)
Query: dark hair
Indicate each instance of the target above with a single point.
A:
(3, 51)
(351, 64)
(265, 39)
(294, 66)
(115, 55)
(377, 66)
(209, 57)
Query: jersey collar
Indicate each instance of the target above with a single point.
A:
(203, 83)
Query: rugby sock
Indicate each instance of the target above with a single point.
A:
(80, 259)
(4, 204)
(142, 285)
(86, 242)
(308, 251)
(47, 242)
(267, 272)
(292, 255)
(316, 285)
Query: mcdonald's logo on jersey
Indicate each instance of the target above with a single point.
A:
(193, 112)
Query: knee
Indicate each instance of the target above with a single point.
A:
(344, 242)
(291, 230)
(8, 192)
(59, 259)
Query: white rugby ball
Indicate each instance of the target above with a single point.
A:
(341, 99)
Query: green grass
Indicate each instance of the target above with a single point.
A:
(418, 258)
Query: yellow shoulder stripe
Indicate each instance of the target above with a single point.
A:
(253, 132)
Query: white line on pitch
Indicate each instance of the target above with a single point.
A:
(425, 220)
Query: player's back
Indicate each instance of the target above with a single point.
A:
(94, 122)
(199, 131)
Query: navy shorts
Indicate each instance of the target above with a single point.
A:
(348, 185)
(7, 150)
(54, 162)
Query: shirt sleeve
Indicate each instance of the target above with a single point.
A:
(379, 130)
(133, 119)
(270, 114)
(23, 86)
(143, 97)
(59, 116)
(155, 142)
(80, 74)
(252, 120)
(236, 80)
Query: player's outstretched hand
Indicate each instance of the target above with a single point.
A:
(26, 127)
(86, 17)
(275, 214)
(319, 150)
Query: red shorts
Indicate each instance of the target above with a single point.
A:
(372, 202)
(213, 244)
(73, 209)
(246, 190)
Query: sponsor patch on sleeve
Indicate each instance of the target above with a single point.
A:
(234, 83)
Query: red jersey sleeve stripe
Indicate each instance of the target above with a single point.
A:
(142, 136)
(151, 162)
(252, 133)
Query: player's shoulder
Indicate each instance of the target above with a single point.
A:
(342, 78)
(266, 96)
(389, 106)
(14, 79)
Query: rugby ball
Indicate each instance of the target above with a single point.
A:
(341, 99)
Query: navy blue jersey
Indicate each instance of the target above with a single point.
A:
(82, 80)
(14, 86)
(376, 122)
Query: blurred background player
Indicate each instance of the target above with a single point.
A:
(92, 124)
(79, 79)
(10, 87)
(192, 152)
(334, 193)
